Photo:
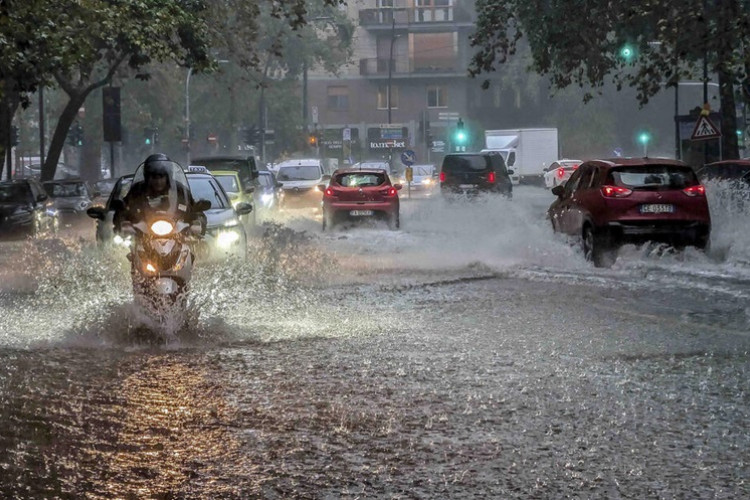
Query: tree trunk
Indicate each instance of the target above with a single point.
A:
(8, 106)
(66, 119)
(729, 146)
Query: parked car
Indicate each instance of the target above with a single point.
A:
(71, 198)
(300, 181)
(607, 203)
(26, 210)
(359, 195)
(730, 182)
(559, 172)
(474, 173)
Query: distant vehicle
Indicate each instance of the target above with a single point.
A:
(424, 178)
(559, 172)
(245, 166)
(104, 215)
(268, 195)
(474, 173)
(26, 210)
(525, 150)
(607, 203)
(358, 194)
(300, 180)
(71, 198)
(230, 181)
(104, 188)
(34, 170)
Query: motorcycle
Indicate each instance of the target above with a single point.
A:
(161, 241)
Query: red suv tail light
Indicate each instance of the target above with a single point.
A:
(615, 192)
(328, 192)
(442, 176)
(391, 191)
(697, 190)
(491, 177)
(561, 172)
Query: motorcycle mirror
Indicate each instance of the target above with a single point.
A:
(95, 213)
(250, 189)
(558, 191)
(202, 205)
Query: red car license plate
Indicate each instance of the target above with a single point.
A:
(360, 213)
(657, 208)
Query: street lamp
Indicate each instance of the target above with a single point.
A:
(187, 106)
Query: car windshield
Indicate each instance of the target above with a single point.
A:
(423, 170)
(229, 183)
(15, 193)
(205, 188)
(360, 180)
(464, 163)
(242, 167)
(653, 177)
(65, 190)
(265, 180)
(299, 173)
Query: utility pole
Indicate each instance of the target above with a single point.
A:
(41, 125)
(390, 62)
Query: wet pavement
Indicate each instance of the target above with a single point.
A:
(472, 354)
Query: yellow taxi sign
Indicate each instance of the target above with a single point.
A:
(197, 169)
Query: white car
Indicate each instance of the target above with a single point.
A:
(300, 180)
(559, 172)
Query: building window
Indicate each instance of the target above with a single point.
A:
(437, 97)
(338, 98)
(383, 97)
(434, 52)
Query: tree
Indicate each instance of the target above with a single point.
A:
(669, 40)
(106, 35)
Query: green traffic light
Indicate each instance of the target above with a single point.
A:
(643, 138)
(460, 137)
(148, 141)
(627, 52)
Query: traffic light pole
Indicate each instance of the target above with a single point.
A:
(41, 125)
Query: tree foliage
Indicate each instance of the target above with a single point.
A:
(578, 42)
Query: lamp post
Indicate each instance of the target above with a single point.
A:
(187, 106)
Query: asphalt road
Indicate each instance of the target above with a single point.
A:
(472, 354)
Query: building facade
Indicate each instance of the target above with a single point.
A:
(405, 88)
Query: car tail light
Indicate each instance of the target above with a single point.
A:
(615, 192)
(697, 190)
(442, 176)
(575, 166)
(491, 177)
(561, 172)
(328, 192)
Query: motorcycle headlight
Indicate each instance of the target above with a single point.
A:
(119, 240)
(161, 228)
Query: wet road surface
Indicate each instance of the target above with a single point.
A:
(470, 355)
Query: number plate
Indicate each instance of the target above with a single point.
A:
(466, 186)
(657, 208)
(360, 213)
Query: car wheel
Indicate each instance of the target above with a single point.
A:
(596, 248)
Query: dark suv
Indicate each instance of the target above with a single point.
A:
(474, 173)
(631, 200)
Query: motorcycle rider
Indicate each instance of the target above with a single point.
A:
(152, 193)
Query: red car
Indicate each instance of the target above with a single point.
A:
(631, 200)
(354, 194)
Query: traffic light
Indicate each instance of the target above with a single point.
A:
(627, 52)
(644, 138)
(312, 140)
(460, 136)
(251, 135)
(148, 136)
(13, 136)
(75, 135)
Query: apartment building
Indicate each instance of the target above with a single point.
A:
(408, 70)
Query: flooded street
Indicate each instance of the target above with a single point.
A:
(472, 354)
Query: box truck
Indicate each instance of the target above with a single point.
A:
(527, 151)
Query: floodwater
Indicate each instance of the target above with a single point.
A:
(472, 354)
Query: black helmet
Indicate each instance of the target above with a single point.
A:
(158, 163)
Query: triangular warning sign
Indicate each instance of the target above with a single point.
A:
(704, 129)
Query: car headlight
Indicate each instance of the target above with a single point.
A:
(119, 240)
(161, 228)
(226, 239)
(266, 198)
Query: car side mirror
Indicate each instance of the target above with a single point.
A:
(96, 213)
(201, 205)
(279, 184)
(243, 208)
(322, 187)
(511, 171)
(326, 177)
(558, 191)
(250, 189)
(398, 187)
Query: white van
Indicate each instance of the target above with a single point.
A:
(300, 179)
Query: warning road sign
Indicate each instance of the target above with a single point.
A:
(704, 129)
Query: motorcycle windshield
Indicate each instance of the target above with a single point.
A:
(164, 189)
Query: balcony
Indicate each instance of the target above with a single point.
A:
(414, 17)
(378, 67)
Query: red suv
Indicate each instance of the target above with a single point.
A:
(355, 194)
(631, 200)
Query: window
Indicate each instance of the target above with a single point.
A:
(383, 97)
(338, 98)
(437, 97)
(434, 51)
